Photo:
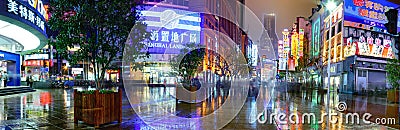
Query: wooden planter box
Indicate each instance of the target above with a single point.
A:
(97, 108)
(393, 95)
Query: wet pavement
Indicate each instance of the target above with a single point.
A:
(53, 109)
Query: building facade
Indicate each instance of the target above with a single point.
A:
(359, 44)
(173, 24)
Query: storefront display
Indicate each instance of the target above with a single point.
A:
(39, 69)
(10, 63)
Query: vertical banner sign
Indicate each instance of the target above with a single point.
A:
(171, 29)
(301, 40)
(286, 49)
(315, 37)
(294, 45)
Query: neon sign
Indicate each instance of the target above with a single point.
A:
(368, 12)
(16, 8)
(369, 44)
(171, 29)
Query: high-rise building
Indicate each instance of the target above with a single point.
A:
(270, 25)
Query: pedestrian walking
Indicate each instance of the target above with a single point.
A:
(29, 79)
(5, 78)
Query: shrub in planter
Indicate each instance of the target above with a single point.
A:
(98, 107)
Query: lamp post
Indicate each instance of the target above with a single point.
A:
(330, 6)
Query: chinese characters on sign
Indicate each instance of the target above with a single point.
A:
(294, 45)
(373, 10)
(368, 13)
(315, 37)
(36, 62)
(283, 57)
(301, 38)
(24, 12)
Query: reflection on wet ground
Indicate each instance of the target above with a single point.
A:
(53, 109)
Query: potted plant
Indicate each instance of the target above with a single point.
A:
(98, 107)
(393, 71)
(103, 39)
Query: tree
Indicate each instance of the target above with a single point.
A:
(99, 29)
(188, 61)
(393, 70)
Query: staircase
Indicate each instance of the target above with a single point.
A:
(15, 90)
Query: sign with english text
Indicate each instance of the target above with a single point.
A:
(171, 29)
(31, 12)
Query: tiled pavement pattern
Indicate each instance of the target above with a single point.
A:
(53, 109)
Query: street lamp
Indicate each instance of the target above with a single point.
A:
(331, 5)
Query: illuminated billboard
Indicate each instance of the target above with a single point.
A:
(369, 13)
(367, 43)
(316, 28)
(31, 12)
(294, 45)
(171, 29)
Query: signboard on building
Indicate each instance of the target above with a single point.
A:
(367, 43)
(301, 40)
(171, 29)
(315, 41)
(286, 49)
(294, 46)
(36, 56)
(369, 13)
(31, 12)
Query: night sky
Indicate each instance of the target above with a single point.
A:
(286, 10)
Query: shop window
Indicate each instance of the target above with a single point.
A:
(326, 35)
(362, 73)
(339, 25)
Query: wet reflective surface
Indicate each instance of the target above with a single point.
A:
(53, 109)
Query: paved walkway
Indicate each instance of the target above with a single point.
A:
(53, 109)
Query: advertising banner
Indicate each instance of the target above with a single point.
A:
(282, 64)
(171, 29)
(291, 64)
(294, 46)
(315, 41)
(367, 43)
(369, 13)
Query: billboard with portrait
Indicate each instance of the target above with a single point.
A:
(369, 13)
(367, 43)
(171, 29)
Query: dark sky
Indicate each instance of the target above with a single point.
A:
(286, 10)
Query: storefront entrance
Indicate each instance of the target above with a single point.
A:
(10, 63)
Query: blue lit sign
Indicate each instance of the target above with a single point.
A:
(171, 29)
(24, 11)
(368, 12)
